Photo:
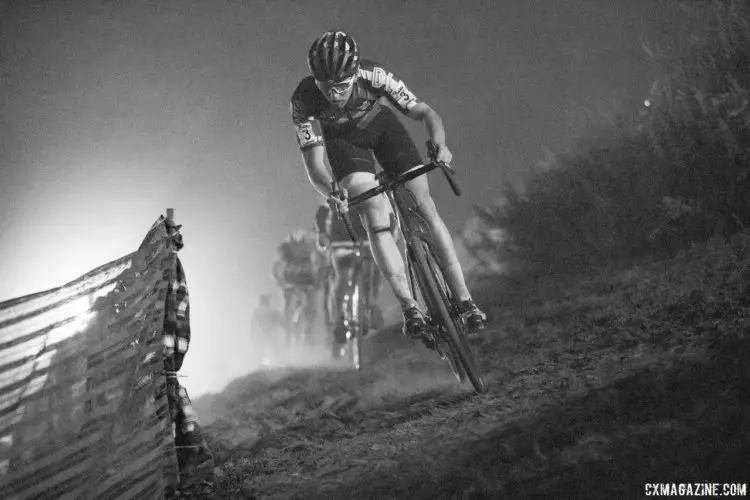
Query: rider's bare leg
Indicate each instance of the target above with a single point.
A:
(310, 314)
(288, 307)
(446, 250)
(385, 252)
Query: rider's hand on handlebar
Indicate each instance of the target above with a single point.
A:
(441, 154)
(339, 201)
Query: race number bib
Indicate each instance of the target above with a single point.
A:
(306, 135)
(404, 97)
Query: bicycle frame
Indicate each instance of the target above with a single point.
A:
(411, 224)
(445, 325)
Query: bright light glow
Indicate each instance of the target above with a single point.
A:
(75, 316)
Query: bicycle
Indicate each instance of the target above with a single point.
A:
(298, 315)
(351, 323)
(446, 325)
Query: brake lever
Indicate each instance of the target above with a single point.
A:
(448, 171)
(337, 193)
(343, 216)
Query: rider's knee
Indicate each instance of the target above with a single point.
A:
(377, 210)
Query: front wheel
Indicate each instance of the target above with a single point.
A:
(349, 350)
(356, 327)
(437, 295)
(347, 334)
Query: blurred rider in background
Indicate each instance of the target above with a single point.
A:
(297, 272)
(335, 240)
(266, 320)
(267, 328)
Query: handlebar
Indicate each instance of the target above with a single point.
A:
(391, 183)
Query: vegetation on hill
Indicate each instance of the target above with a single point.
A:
(630, 188)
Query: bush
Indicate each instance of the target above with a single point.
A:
(675, 175)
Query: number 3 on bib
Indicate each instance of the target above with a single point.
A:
(306, 135)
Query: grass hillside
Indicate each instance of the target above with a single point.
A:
(597, 386)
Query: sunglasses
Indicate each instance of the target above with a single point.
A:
(336, 87)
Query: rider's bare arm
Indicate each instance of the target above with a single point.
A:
(424, 113)
(314, 160)
(435, 129)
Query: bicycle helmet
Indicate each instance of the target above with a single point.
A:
(333, 57)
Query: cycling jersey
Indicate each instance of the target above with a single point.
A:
(296, 252)
(312, 113)
(299, 262)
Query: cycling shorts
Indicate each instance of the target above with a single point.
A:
(300, 275)
(384, 136)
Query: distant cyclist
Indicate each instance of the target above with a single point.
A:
(267, 328)
(338, 112)
(266, 320)
(334, 238)
(297, 273)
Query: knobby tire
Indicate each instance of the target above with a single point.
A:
(436, 294)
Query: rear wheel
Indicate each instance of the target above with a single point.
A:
(439, 301)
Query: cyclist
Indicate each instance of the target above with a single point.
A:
(297, 273)
(267, 327)
(338, 112)
(265, 318)
(334, 238)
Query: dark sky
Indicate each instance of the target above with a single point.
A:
(113, 111)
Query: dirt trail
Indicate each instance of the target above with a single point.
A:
(594, 392)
